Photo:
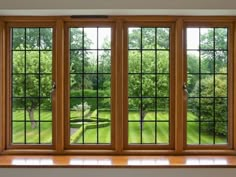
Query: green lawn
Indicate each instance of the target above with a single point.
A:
(23, 131)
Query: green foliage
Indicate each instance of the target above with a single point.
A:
(213, 59)
(31, 36)
(29, 85)
(103, 103)
(149, 81)
(148, 38)
(210, 107)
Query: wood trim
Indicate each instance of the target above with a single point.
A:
(172, 86)
(66, 87)
(31, 19)
(30, 24)
(71, 161)
(230, 86)
(2, 86)
(125, 86)
(59, 97)
(219, 23)
(8, 88)
(87, 148)
(119, 86)
(119, 77)
(179, 103)
(234, 86)
(113, 87)
(8, 131)
(172, 79)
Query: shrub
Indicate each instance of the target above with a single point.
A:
(213, 111)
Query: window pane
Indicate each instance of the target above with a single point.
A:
(221, 38)
(134, 57)
(134, 38)
(206, 38)
(32, 38)
(207, 86)
(31, 85)
(90, 85)
(192, 38)
(148, 83)
(163, 38)
(45, 38)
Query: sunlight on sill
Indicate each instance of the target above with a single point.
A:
(117, 161)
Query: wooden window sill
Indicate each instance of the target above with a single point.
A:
(117, 161)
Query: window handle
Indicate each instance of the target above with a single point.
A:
(185, 88)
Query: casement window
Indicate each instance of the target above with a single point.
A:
(209, 85)
(30, 85)
(89, 110)
(149, 120)
(117, 85)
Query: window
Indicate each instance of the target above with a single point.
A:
(89, 82)
(150, 108)
(209, 70)
(30, 85)
(117, 85)
(31, 71)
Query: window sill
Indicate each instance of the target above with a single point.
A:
(117, 161)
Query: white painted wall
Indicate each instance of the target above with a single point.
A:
(117, 172)
(117, 4)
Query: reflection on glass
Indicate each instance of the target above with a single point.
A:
(90, 85)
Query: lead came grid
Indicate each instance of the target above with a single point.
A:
(207, 117)
(31, 63)
(148, 82)
(90, 85)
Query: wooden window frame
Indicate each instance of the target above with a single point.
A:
(87, 147)
(229, 83)
(119, 26)
(130, 147)
(9, 145)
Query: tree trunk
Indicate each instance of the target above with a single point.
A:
(142, 116)
(31, 116)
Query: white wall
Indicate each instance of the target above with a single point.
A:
(117, 172)
(117, 4)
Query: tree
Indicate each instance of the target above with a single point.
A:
(79, 58)
(145, 85)
(214, 119)
(32, 38)
(28, 85)
(26, 44)
(149, 83)
(213, 43)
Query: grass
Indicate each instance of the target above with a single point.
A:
(91, 136)
(23, 133)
